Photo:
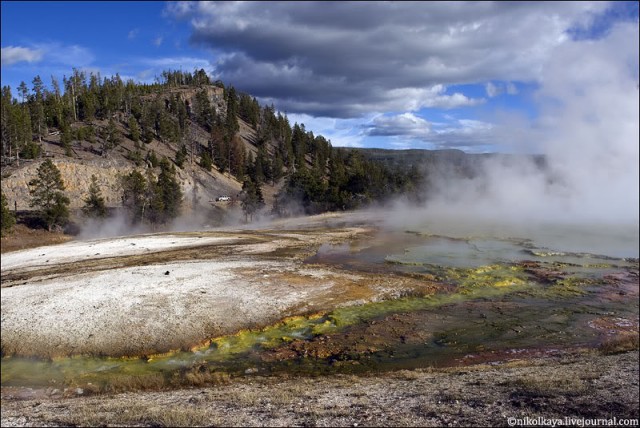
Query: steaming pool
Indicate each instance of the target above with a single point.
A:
(490, 296)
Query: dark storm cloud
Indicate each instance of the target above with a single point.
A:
(342, 59)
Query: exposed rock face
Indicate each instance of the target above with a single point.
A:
(198, 186)
(76, 175)
(188, 95)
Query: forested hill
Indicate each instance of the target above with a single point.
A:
(426, 159)
(431, 168)
(160, 150)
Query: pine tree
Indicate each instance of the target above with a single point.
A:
(181, 156)
(47, 195)
(8, 219)
(205, 160)
(218, 146)
(94, 205)
(23, 91)
(181, 112)
(277, 169)
(253, 200)
(203, 113)
(237, 157)
(7, 130)
(24, 130)
(231, 123)
(168, 129)
(134, 189)
(38, 116)
(259, 167)
(147, 123)
(112, 137)
(152, 158)
(53, 111)
(134, 130)
(154, 196)
(168, 190)
(65, 139)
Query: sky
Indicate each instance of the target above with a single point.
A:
(474, 76)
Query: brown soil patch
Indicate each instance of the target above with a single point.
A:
(356, 342)
(24, 237)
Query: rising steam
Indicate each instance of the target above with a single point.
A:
(588, 131)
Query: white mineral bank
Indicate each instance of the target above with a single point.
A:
(100, 248)
(143, 305)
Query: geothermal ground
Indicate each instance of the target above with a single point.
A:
(146, 295)
(505, 329)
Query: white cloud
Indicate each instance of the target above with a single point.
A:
(408, 130)
(133, 34)
(15, 54)
(464, 134)
(158, 41)
(66, 55)
(474, 125)
(52, 53)
(73, 55)
(452, 101)
(144, 75)
(185, 62)
(492, 90)
(179, 9)
(403, 125)
(341, 132)
(344, 59)
(499, 88)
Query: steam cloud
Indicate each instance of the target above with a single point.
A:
(589, 132)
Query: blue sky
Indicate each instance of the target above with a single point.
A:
(470, 76)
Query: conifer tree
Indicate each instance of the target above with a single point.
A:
(181, 112)
(203, 112)
(152, 158)
(8, 219)
(168, 191)
(134, 188)
(65, 140)
(134, 130)
(94, 205)
(205, 160)
(253, 200)
(7, 127)
(47, 195)
(181, 156)
(276, 168)
(231, 123)
(112, 137)
(38, 116)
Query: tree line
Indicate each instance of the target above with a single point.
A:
(316, 176)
